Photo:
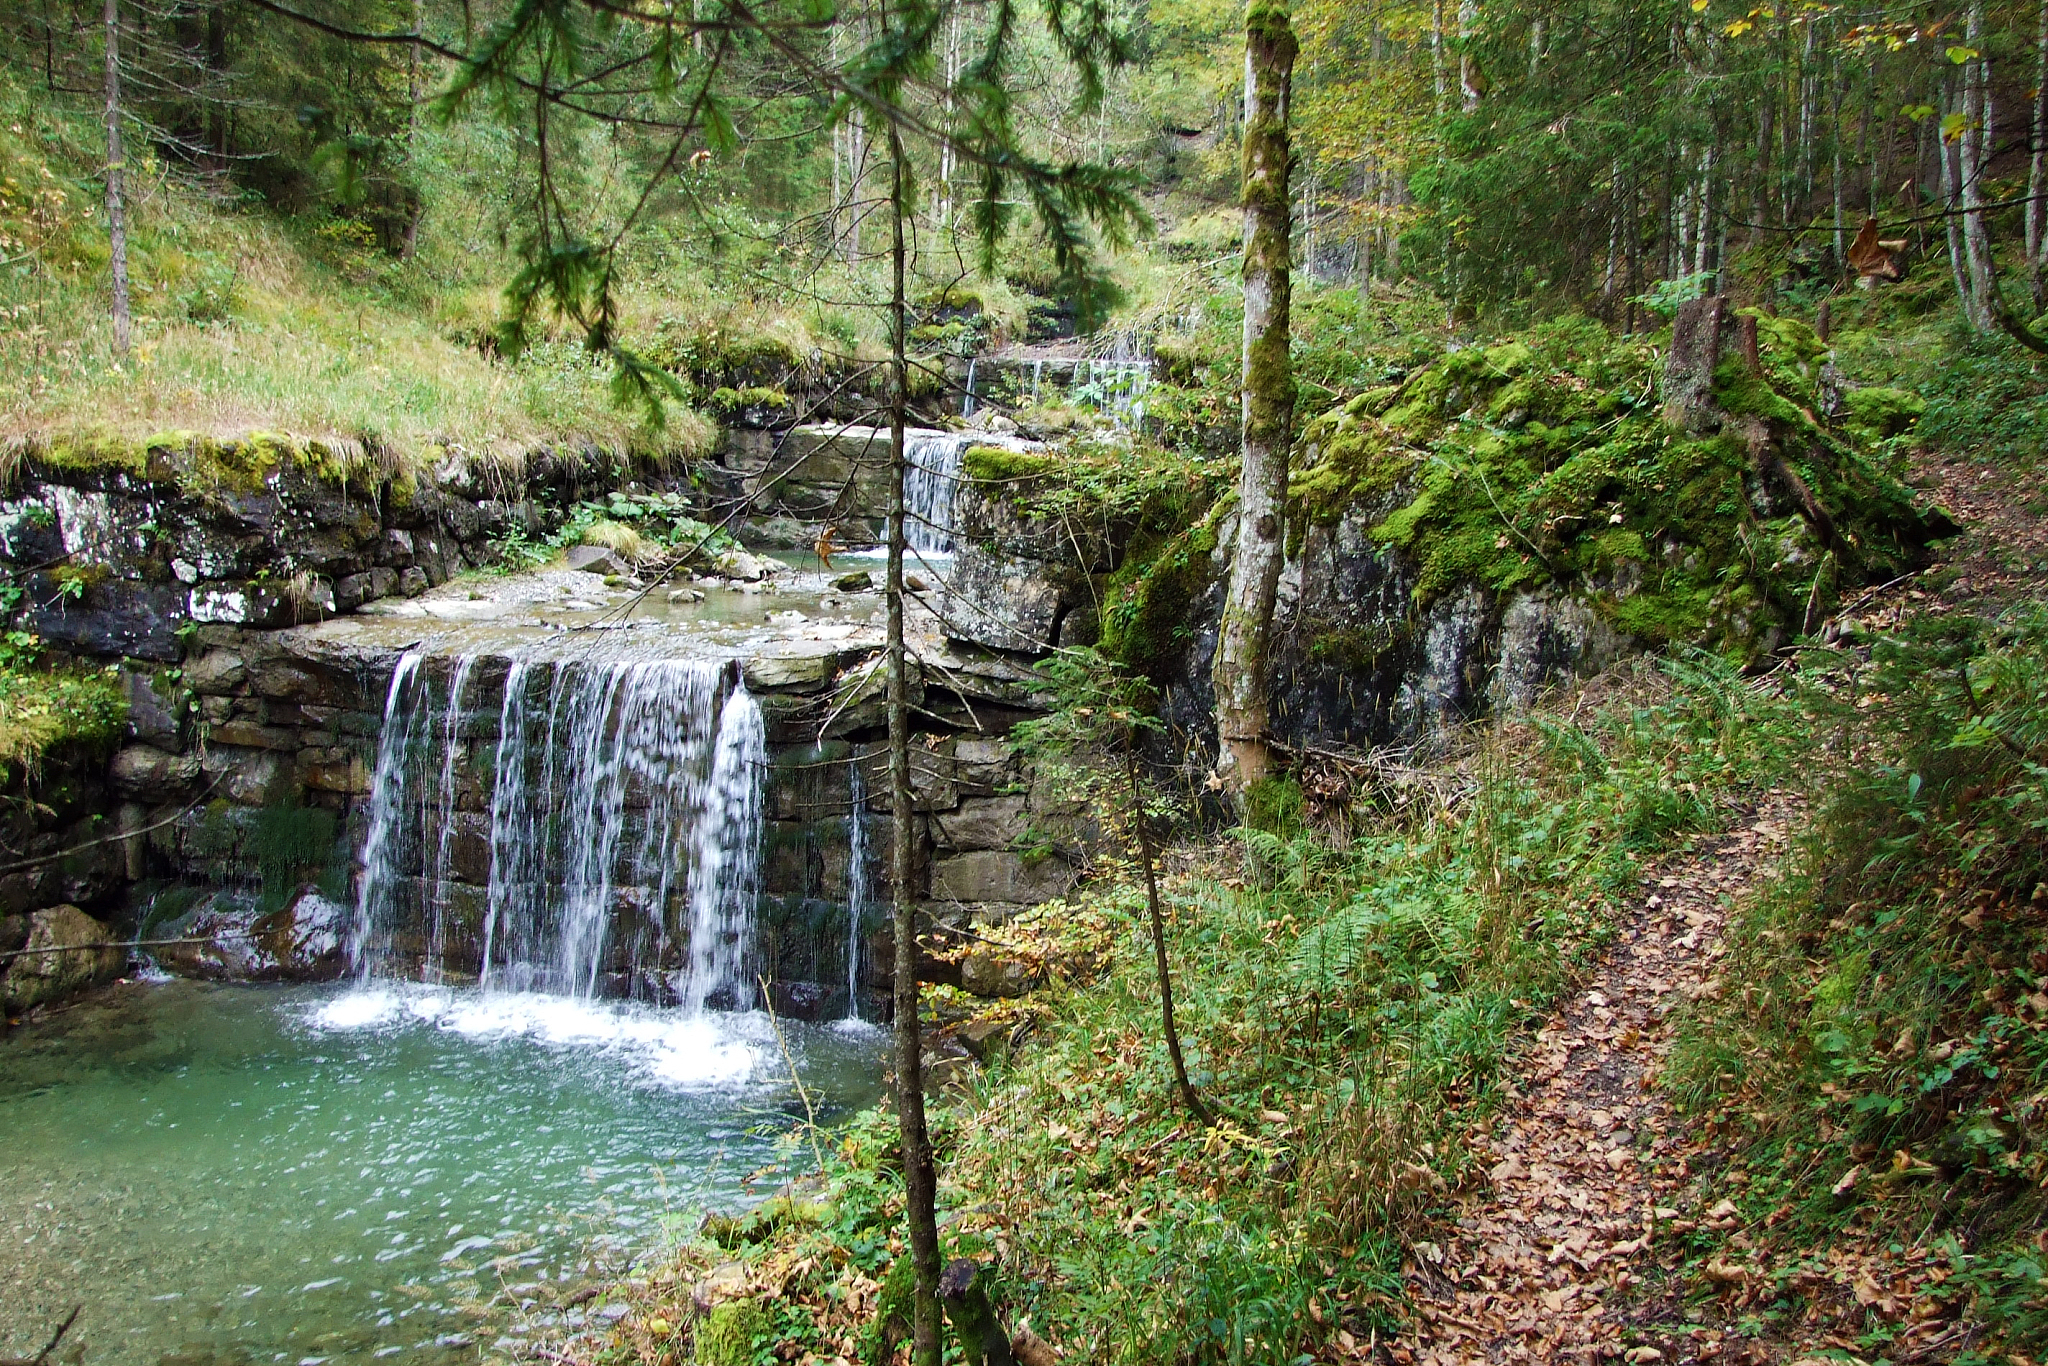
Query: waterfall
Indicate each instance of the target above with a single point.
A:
(624, 819)
(856, 889)
(930, 482)
(967, 403)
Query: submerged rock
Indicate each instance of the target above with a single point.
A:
(65, 952)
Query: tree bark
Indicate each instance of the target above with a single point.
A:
(1242, 711)
(920, 1178)
(1147, 856)
(1973, 150)
(2037, 170)
(117, 219)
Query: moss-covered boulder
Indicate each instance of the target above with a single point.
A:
(1547, 464)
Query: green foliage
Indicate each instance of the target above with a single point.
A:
(292, 844)
(1988, 400)
(43, 709)
(658, 525)
(1889, 1013)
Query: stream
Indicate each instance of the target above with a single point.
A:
(339, 1174)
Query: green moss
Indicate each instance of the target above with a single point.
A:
(1274, 805)
(730, 1332)
(1546, 460)
(725, 400)
(94, 449)
(1357, 649)
(1146, 623)
(996, 465)
(1876, 413)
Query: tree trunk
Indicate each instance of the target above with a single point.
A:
(983, 1342)
(1147, 856)
(2037, 171)
(1974, 151)
(920, 1178)
(1242, 717)
(117, 219)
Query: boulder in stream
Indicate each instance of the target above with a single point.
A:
(66, 951)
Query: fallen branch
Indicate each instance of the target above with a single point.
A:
(118, 944)
(172, 819)
(48, 1347)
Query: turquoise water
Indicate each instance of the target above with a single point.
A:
(304, 1175)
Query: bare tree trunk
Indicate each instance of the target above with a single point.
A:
(1953, 227)
(1242, 712)
(1468, 70)
(1436, 57)
(1148, 856)
(117, 218)
(2037, 171)
(1973, 149)
(920, 1177)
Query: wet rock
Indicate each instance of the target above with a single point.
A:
(242, 604)
(85, 956)
(1547, 636)
(354, 590)
(217, 673)
(595, 559)
(745, 567)
(146, 773)
(155, 714)
(113, 618)
(801, 1000)
(860, 582)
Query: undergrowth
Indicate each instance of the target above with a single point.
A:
(1879, 1048)
(43, 708)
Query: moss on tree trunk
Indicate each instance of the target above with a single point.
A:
(1240, 668)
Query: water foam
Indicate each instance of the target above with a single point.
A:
(673, 1049)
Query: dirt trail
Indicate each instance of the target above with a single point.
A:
(1553, 1261)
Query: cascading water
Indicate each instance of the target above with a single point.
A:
(624, 816)
(856, 890)
(930, 482)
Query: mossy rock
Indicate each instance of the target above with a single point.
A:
(730, 1332)
(1146, 619)
(1876, 413)
(1545, 460)
(999, 465)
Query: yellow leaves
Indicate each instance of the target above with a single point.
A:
(1961, 55)
(1738, 28)
(1699, 6)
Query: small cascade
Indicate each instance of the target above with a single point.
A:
(930, 482)
(967, 403)
(623, 821)
(856, 890)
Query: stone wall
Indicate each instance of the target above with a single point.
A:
(201, 571)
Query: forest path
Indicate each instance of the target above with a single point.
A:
(1569, 1253)
(1558, 1258)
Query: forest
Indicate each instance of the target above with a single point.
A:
(956, 683)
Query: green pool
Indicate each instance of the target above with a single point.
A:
(309, 1175)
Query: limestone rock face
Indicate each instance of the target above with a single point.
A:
(88, 956)
(998, 875)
